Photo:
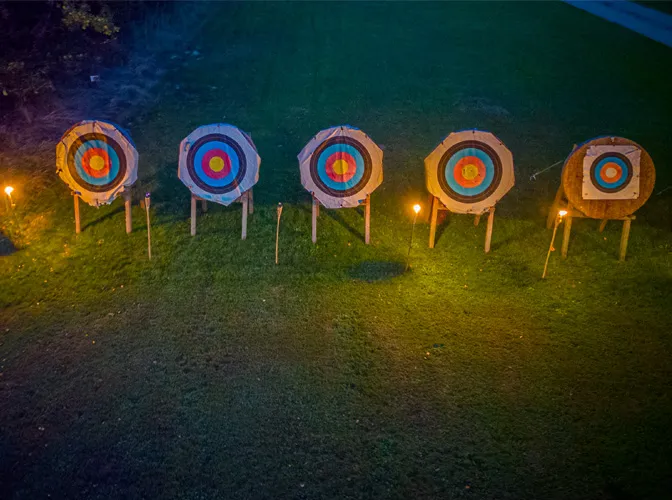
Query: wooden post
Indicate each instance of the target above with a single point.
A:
(277, 233)
(251, 201)
(367, 219)
(553, 212)
(204, 205)
(566, 233)
(603, 224)
(149, 229)
(432, 222)
(625, 235)
(78, 224)
(316, 209)
(488, 232)
(245, 208)
(477, 219)
(193, 215)
(127, 203)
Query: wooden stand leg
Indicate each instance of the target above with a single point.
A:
(477, 219)
(565, 235)
(193, 215)
(316, 209)
(127, 203)
(488, 232)
(204, 206)
(367, 220)
(553, 212)
(603, 224)
(432, 222)
(78, 225)
(625, 235)
(250, 202)
(245, 209)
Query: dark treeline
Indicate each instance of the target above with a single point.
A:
(47, 44)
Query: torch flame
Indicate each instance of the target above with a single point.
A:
(562, 213)
(416, 208)
(9, 190)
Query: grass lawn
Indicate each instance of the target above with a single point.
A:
(209, 372)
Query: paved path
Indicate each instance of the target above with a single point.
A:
(648, 22)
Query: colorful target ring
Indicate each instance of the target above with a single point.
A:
(96, 162)
(216, 163)
(611, 172)
(341, 166)
(469, 171)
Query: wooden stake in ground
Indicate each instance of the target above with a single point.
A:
(78, 224)
(149, 230)
(127, 204)
(277, 233)
(558, 220)
(416, 209)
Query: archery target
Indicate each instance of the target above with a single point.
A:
(469, 171)
(218, 163)
(97, 160)
(341, 166)
(611, 173)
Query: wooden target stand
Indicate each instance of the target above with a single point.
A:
(569, 194)
(247, 200)
(367, 218)
(127, 206)
(561, 203)
(437, 205)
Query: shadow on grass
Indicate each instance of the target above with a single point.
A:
(376, 270)
(6, 246)
(105, 217)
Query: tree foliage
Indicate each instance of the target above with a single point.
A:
(44, 43)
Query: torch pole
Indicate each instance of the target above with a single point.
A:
(410, 243)
(558, 220)
(149, 229)
(277, 233)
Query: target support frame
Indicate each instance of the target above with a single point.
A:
(246, 199)
(367, 218)
(437, 206)
(127, 209)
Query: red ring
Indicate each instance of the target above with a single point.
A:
(469, 183)
(86, 165)
(205, 163)
(350, 161)
(603, 172)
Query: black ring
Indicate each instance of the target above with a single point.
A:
(72, 168)
(496, 162)
(242, 163)
(593, 178)
(368, 170)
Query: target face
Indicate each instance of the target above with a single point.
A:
(216, 163)
(611, 172)
(340, 166)
(97, 160)
(469, 171)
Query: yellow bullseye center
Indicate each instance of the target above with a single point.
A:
(611, 172)
(470, 172)
(97, 162)
(216, 164)
(340, 167)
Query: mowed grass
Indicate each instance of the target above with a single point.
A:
(210, 372)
